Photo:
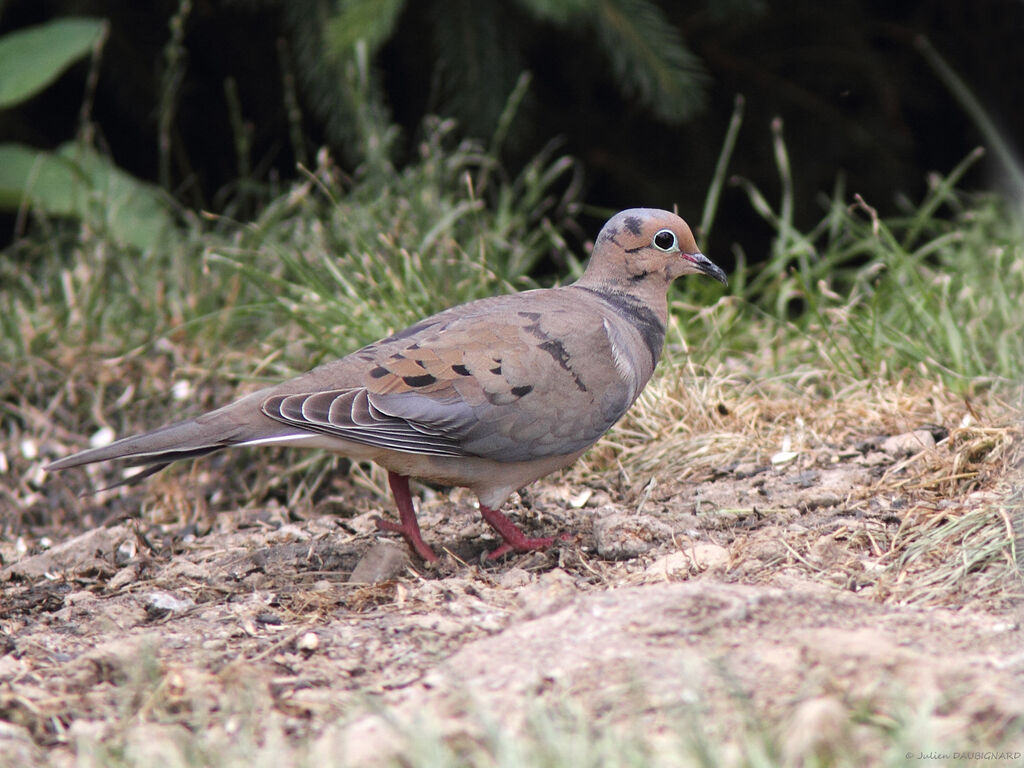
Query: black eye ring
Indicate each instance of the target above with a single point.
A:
(665, 240)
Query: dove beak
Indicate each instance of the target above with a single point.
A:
(703, 264)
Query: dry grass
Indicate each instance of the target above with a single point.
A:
(951, 517)
(690, 422)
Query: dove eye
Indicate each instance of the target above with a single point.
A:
(665, 240)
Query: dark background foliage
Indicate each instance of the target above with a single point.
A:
(855, 95)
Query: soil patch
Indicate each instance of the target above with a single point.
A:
(763, 587)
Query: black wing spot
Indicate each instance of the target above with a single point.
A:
(523, 390)
(557, 350)
(496, 371)
(461, 370)
(424, 380)
(534, 330)
(379, 372)
(632, 223)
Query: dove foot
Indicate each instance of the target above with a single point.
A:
(514, 539)
(409, 526)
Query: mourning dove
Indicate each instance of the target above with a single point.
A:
(489, 395)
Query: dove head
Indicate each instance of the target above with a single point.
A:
(644, 250)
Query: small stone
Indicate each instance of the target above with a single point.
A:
(825, 552)
(580, 499)
(124, 577)
(308, 643)
(783, 457)
(695, 559)
(873, 459)
(125, 552)
(35, 478)
(909, 443)
(514, 578)
(804, 479)
(820, 499)
(160, 604)
(175, 684)
(1003, 626)
(80, 597)
(381, 562)
(708, 556)
(101, 437)
(623, 536)
(672, 564)
(547, 593)
(747, 469)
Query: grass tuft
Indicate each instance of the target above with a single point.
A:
(349, 263)
(933, 292)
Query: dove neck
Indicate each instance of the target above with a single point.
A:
(642, 290)
(645, 318)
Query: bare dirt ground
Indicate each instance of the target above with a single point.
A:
(772, 586)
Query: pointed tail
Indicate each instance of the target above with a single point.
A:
(239, 422)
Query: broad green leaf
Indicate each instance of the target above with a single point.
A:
(39, 177)
(77, 182)
(32, 58)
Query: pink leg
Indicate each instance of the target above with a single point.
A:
(514, 539)
(409, 527)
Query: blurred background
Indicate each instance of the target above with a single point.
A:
(217, 101)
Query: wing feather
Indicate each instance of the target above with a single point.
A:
(348, 414)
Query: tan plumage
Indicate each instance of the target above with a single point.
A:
(490, 395)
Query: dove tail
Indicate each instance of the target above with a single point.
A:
(183, 440)
(223, 428)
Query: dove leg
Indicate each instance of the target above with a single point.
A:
(514, 539)
(409, 526)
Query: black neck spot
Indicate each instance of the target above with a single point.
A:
(642, 317)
